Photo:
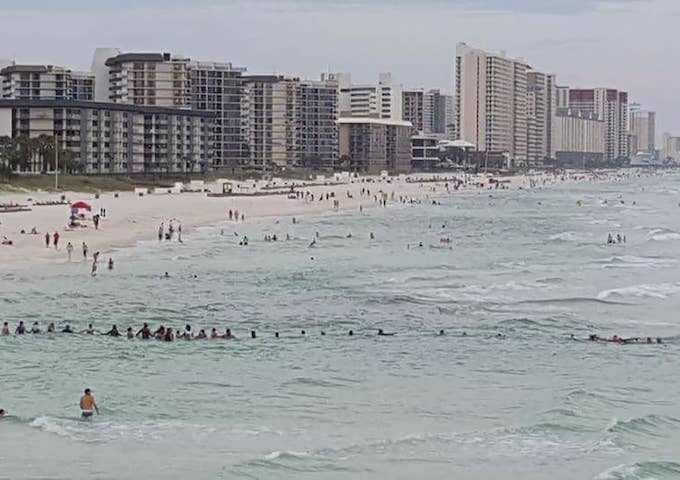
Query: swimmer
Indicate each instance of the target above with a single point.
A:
(159, 334)
(303, 333)
(228, 335)
(253, 334)
(50, 328)
(67, 329)
(89, 330)
(36, 328)
(383, 334)
(145, 332)
(113, 332)
(351, 333)
(201, 335)
(214, 334)
(276, 335)
(88, 405)
(5, 329)
(169, 336)
(130, 334)
(167, 275)
(441, 333)
(2, 413)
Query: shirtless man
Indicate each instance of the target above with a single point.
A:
(5, 329)
(145, 332)
(88, 405)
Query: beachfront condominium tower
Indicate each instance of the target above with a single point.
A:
(45, 82)
(218, 88)
(611, 106)
(371, 145)
(578, 138)
(428, 111)
(491, 101)
(288, 121)
(379, 100)
(147, 79)
(643, 131)
(413, 108)
(540, 108)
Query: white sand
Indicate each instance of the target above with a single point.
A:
(131, 218)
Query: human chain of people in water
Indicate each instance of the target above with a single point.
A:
(168, 334)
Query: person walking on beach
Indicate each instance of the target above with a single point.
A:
(56, 240)
(84, 250)
(47, 239)
(110, 263)
(69, 250)
(88, 405)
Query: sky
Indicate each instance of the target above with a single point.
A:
(625, 44)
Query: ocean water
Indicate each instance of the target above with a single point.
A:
(531, 403)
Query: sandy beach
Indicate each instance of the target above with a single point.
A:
(130, 218)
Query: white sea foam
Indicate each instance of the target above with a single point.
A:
(661, 290)
(663, 235)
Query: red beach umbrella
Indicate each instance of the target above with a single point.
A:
(81, 206)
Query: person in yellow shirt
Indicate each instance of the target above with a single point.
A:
(88, 405)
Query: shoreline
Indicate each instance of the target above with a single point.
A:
(130, 219)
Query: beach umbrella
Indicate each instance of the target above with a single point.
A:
(81, 206)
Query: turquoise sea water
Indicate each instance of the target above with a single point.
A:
(530, 404)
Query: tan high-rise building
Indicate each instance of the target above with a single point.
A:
(540, 107)
(643, 130)
(149, 79)
(288, 121)
(491, 101)
(611, 106)
(371, 145)
(578, 138)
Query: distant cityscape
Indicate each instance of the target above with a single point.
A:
(138, 112)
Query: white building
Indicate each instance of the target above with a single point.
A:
(45, 82)
(491, 101)
(578, 137)
(380, 100)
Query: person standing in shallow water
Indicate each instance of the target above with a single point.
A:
(88, 405)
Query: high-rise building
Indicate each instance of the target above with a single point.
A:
(151, 79)
(287, 121)
(218, 88)
(45, 82)
(611, 106)
(371, 145)
(561, 97)
(413, 108)
(578, 137)
(381, 100)
(643, 131)
(491, 101)
(115, 138)
(539, 116)
(437, 111)
(671, 148)
(429, 111)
